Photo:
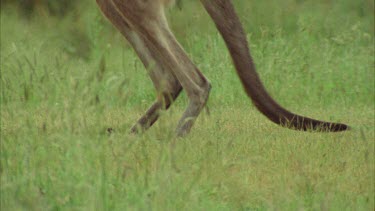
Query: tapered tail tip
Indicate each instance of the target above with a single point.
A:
(338, 127)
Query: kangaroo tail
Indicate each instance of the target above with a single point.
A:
(227, 22)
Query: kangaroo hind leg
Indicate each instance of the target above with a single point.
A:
(150, 23)
(167, 86)
(148, 20)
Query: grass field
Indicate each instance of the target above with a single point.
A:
(65, 80)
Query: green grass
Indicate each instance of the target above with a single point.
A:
(64, 81)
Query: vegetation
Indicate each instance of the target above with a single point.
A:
(52, 7)
(66, 78)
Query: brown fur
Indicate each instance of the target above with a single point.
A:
(144, 25)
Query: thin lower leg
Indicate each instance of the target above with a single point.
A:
(169, 85)
(193, 81)
(162, 81)
(153, 113)
(191, 113)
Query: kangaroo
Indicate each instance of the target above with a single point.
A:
(143, 23)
